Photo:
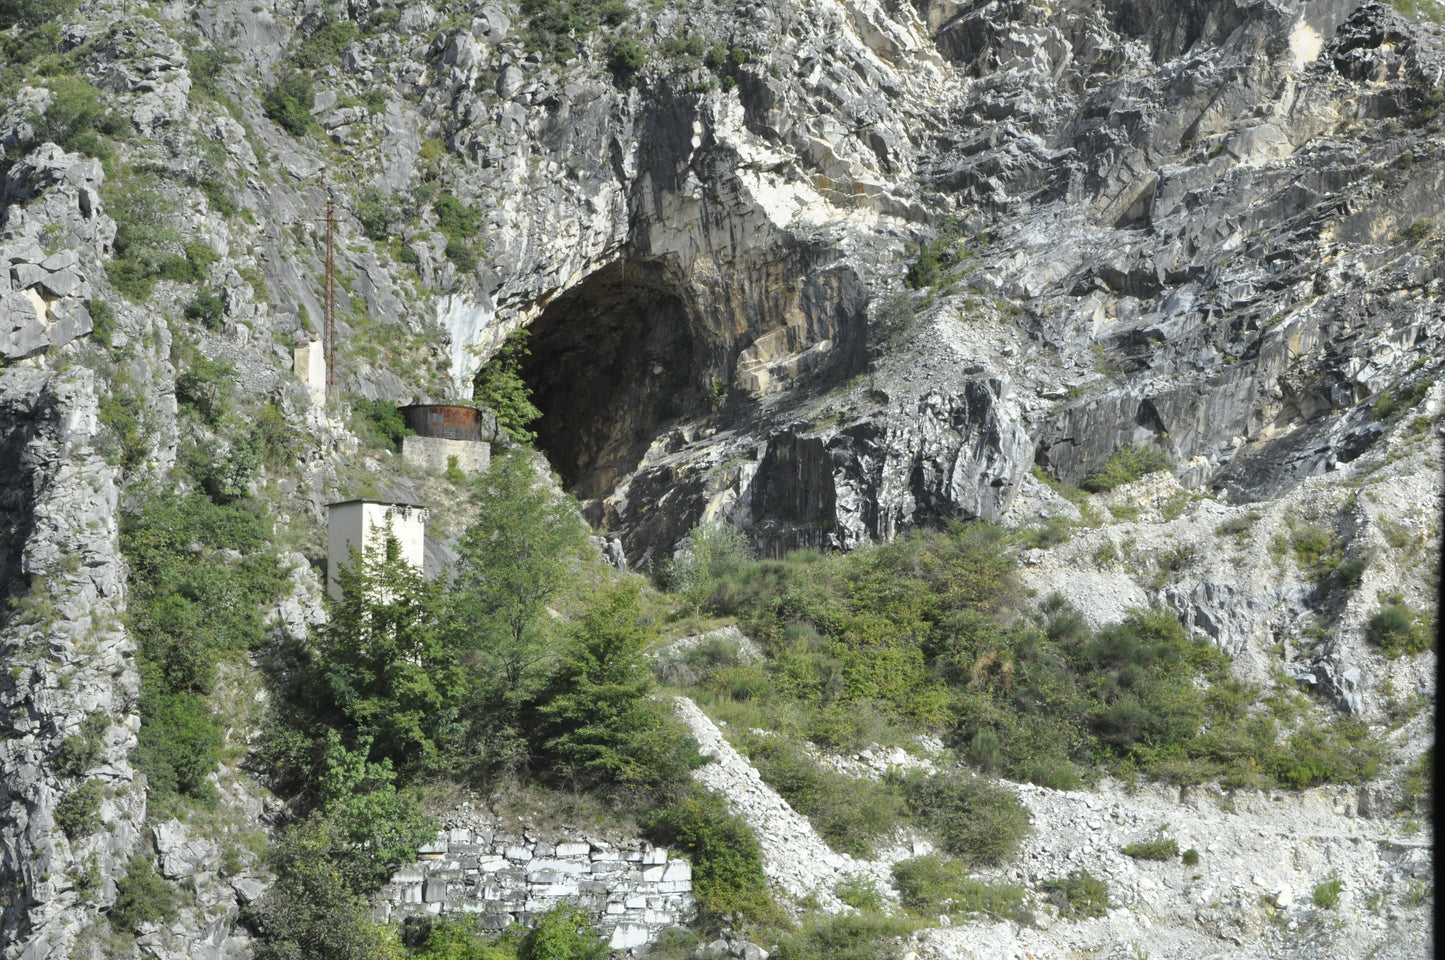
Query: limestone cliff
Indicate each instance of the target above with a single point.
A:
(820, 270)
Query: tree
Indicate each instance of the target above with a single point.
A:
(385, 658)
(597, 727)
(499, 386)
(711, 552)
(511, 562)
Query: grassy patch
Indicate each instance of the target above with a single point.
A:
(1080, 895)
(931, 885)
(1156, 848)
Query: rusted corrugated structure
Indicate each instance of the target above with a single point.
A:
(444, 421)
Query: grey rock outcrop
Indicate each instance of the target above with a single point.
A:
(71, 805)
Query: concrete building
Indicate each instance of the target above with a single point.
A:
(310, 363)
(362, 524)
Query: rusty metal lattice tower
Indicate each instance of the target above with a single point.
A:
(330, 310)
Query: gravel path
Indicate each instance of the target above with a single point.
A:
(795, 857)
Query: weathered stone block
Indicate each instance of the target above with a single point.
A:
(574, 850)
(435, 890)
(628, 935)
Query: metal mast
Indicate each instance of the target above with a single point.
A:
(330, 311)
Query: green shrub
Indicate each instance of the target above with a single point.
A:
(203, 387)
(461, 256)
(189, 612)
(122, 414)
(1158, 848)
(75, 116)
(319, 905)
(625, 56)
(377, 210)
(859, 891)
(1398, 399)
(727, 861)
(31, 13)
(378, 423)
(289, 101)
(78, 814)
(1342, 752)
(102, 318)
(614, 13)
(847, 936)
(1395, 629)
(980, 822)
(937, 257)
(499, 386)
(709, 554)
(323, 45)
(179, 743)
(207, 65)
(1126, 464)
(208, 309)
(894, 318)
(147, 247)
(563, 933)
(934, 884)
(595, 726)
(1080, 895)
(142, 896)
(1417, 785)
(82, 750)
(1190, 857)
(1326, 894)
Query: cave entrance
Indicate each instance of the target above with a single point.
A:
(612, 361)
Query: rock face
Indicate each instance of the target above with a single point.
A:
(71, 806)
(51, 199)
(1209, 227)
(1194, 220)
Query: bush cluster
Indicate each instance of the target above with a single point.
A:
(1080, 895)
(933, 631)
(147, 246)
(499, 386)
(1397, 631)
(78, 813)
(289, 101)
(557, 26)
(378, 423)
(189, 613)
(142, 896)
(1126, 464)
(1156, 848)
(726, 858)
(977, 820)
(934, 884)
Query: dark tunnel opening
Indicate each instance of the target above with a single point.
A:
(612, 361)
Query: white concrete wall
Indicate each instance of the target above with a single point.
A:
(433, 453)
(362, 524)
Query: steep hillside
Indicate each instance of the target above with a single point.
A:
(1156, 288)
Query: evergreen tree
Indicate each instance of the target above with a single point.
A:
(385, 658)
(499, 386)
